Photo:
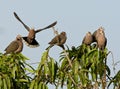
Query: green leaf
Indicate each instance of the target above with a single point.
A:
(13, 71)
(4, 84)
(75, 66)
(69, 84)
(40, 85)
(8, 82)
(52, 68)
(32, 84)
(23, 80)
(64, 64)
(1, 82)
(36, 85)
(43, 60)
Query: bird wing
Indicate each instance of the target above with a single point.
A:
(94, 36)
(62, 39)
(105, 41)
(83, 40)
(13, 46)
(51, 25)
(17, 17)
(54, 40)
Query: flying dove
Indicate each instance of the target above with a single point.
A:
(88, 39)
(30, 39)
(15, 46)
(58, 40)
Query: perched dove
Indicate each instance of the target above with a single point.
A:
(101, 40)
(96, 33)
(99, 37)
(88, 39)
(30, 39)
(15, 46)
(58, 40)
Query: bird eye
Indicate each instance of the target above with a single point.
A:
(18, 38)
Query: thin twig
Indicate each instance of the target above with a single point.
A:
(55, 31)
(34, 63)
(72, 79)
(68, 58)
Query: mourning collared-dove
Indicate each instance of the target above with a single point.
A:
(15, 46)
(88, 39)
(99, 37)
(101, 40)
(30, 39)
(96, 33)
(58, 40)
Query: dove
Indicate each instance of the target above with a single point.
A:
(88, 39)
(96, 33)
(30, 39)
(58, 40)
(15, 46)
(99, 38)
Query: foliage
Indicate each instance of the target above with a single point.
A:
(82, 67)
(13, 71)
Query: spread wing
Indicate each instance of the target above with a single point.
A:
(21, 21)
(51, 25)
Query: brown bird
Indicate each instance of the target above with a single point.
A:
(30, 39)
(101, 40)
(88, 39)
(99, 37)
(58, 40)
(15, 46)
(96, 33)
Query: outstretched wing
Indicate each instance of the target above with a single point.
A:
(51, 25)
(21, 21)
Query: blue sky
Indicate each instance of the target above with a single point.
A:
(75, 17)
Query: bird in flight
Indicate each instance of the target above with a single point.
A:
(30, 38)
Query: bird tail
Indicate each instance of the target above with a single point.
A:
(62, 46)
(49, 47)
(33, 44)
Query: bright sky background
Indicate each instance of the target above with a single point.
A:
(75, 17)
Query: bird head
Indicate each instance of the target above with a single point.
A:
(101, 30)
(88, 33)
(19, 37)
(63, 33)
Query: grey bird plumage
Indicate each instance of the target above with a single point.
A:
(15, 46)
(58, 40)
(30, 39)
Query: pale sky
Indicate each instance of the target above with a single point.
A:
(75, 17)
